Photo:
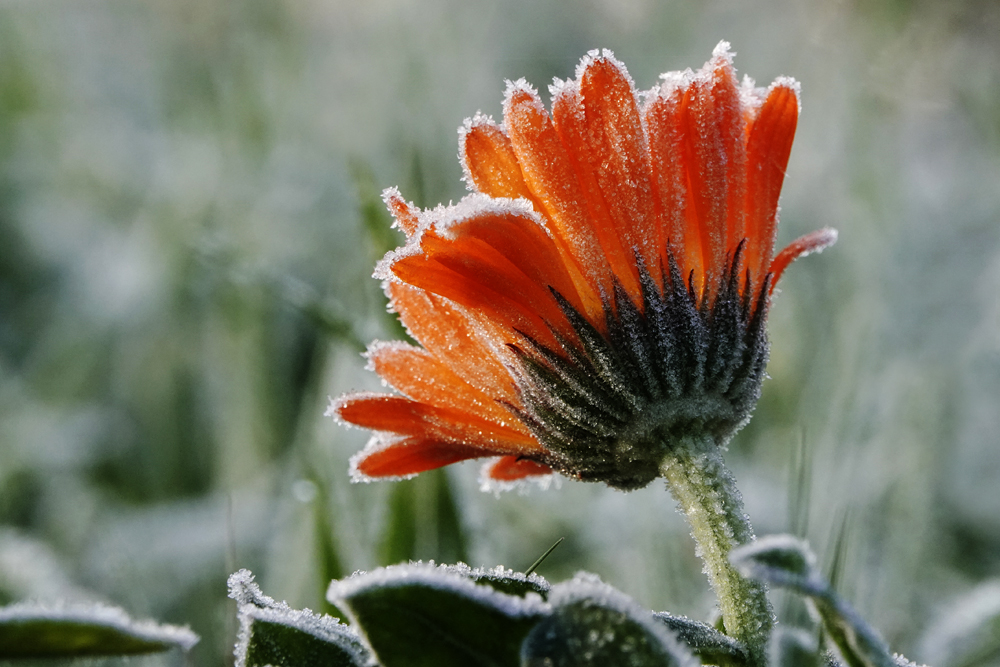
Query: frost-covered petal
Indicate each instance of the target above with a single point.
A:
(768, 148)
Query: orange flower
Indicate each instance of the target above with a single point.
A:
(603, 293)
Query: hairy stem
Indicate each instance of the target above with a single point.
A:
(706, 492)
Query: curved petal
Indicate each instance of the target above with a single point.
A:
(816, 241)
(404, 212)
(409, 456)
(477, 286)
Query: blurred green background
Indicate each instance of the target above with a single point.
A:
(190, 214)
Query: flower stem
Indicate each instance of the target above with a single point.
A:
(706, 492)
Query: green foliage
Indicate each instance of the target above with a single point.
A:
(592, 625)
(710, 645)
(783, 560)
(78, 631)
(271, 633)
(418, 614)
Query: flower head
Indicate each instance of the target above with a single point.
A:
(602, 294)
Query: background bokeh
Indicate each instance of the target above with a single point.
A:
(190, 213)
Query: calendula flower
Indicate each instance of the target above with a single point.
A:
(602, 295)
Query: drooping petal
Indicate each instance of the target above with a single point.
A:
(768, 148)
(403, 416)
(514, 468)
(816, 241)
(410, 456)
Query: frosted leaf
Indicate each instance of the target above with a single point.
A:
(272, 633)
(707, 643)
(30, 630)
(595, 624)
(780, 560)
(784, 560)
(439, 613)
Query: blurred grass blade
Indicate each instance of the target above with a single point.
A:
(800, 488)
(783, 560)
(541, 559)
(708, 644)
(594, 625)
(967, 632)
(271, 633)
(420, 614)
(424, 522)
(35, 631)
(792, 647)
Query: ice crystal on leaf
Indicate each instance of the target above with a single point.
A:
(603, 293)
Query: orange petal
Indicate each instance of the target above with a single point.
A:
(568, 120)
(489, 161)
(715, 158)
(411, 456)
(467, 281)
(525, 244)
(550, 177)
(420, 375)
(617, 155)
(446, 331)
(514, 468)
(404, 213)
(768, 148)
(680, 229)
(403, 416)
(816, 241)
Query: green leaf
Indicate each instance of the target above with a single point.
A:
(508, 581)
(271, 633)
(36, 631)
(594, 625)
(783, 560)
(708, 644)
(422, 614)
